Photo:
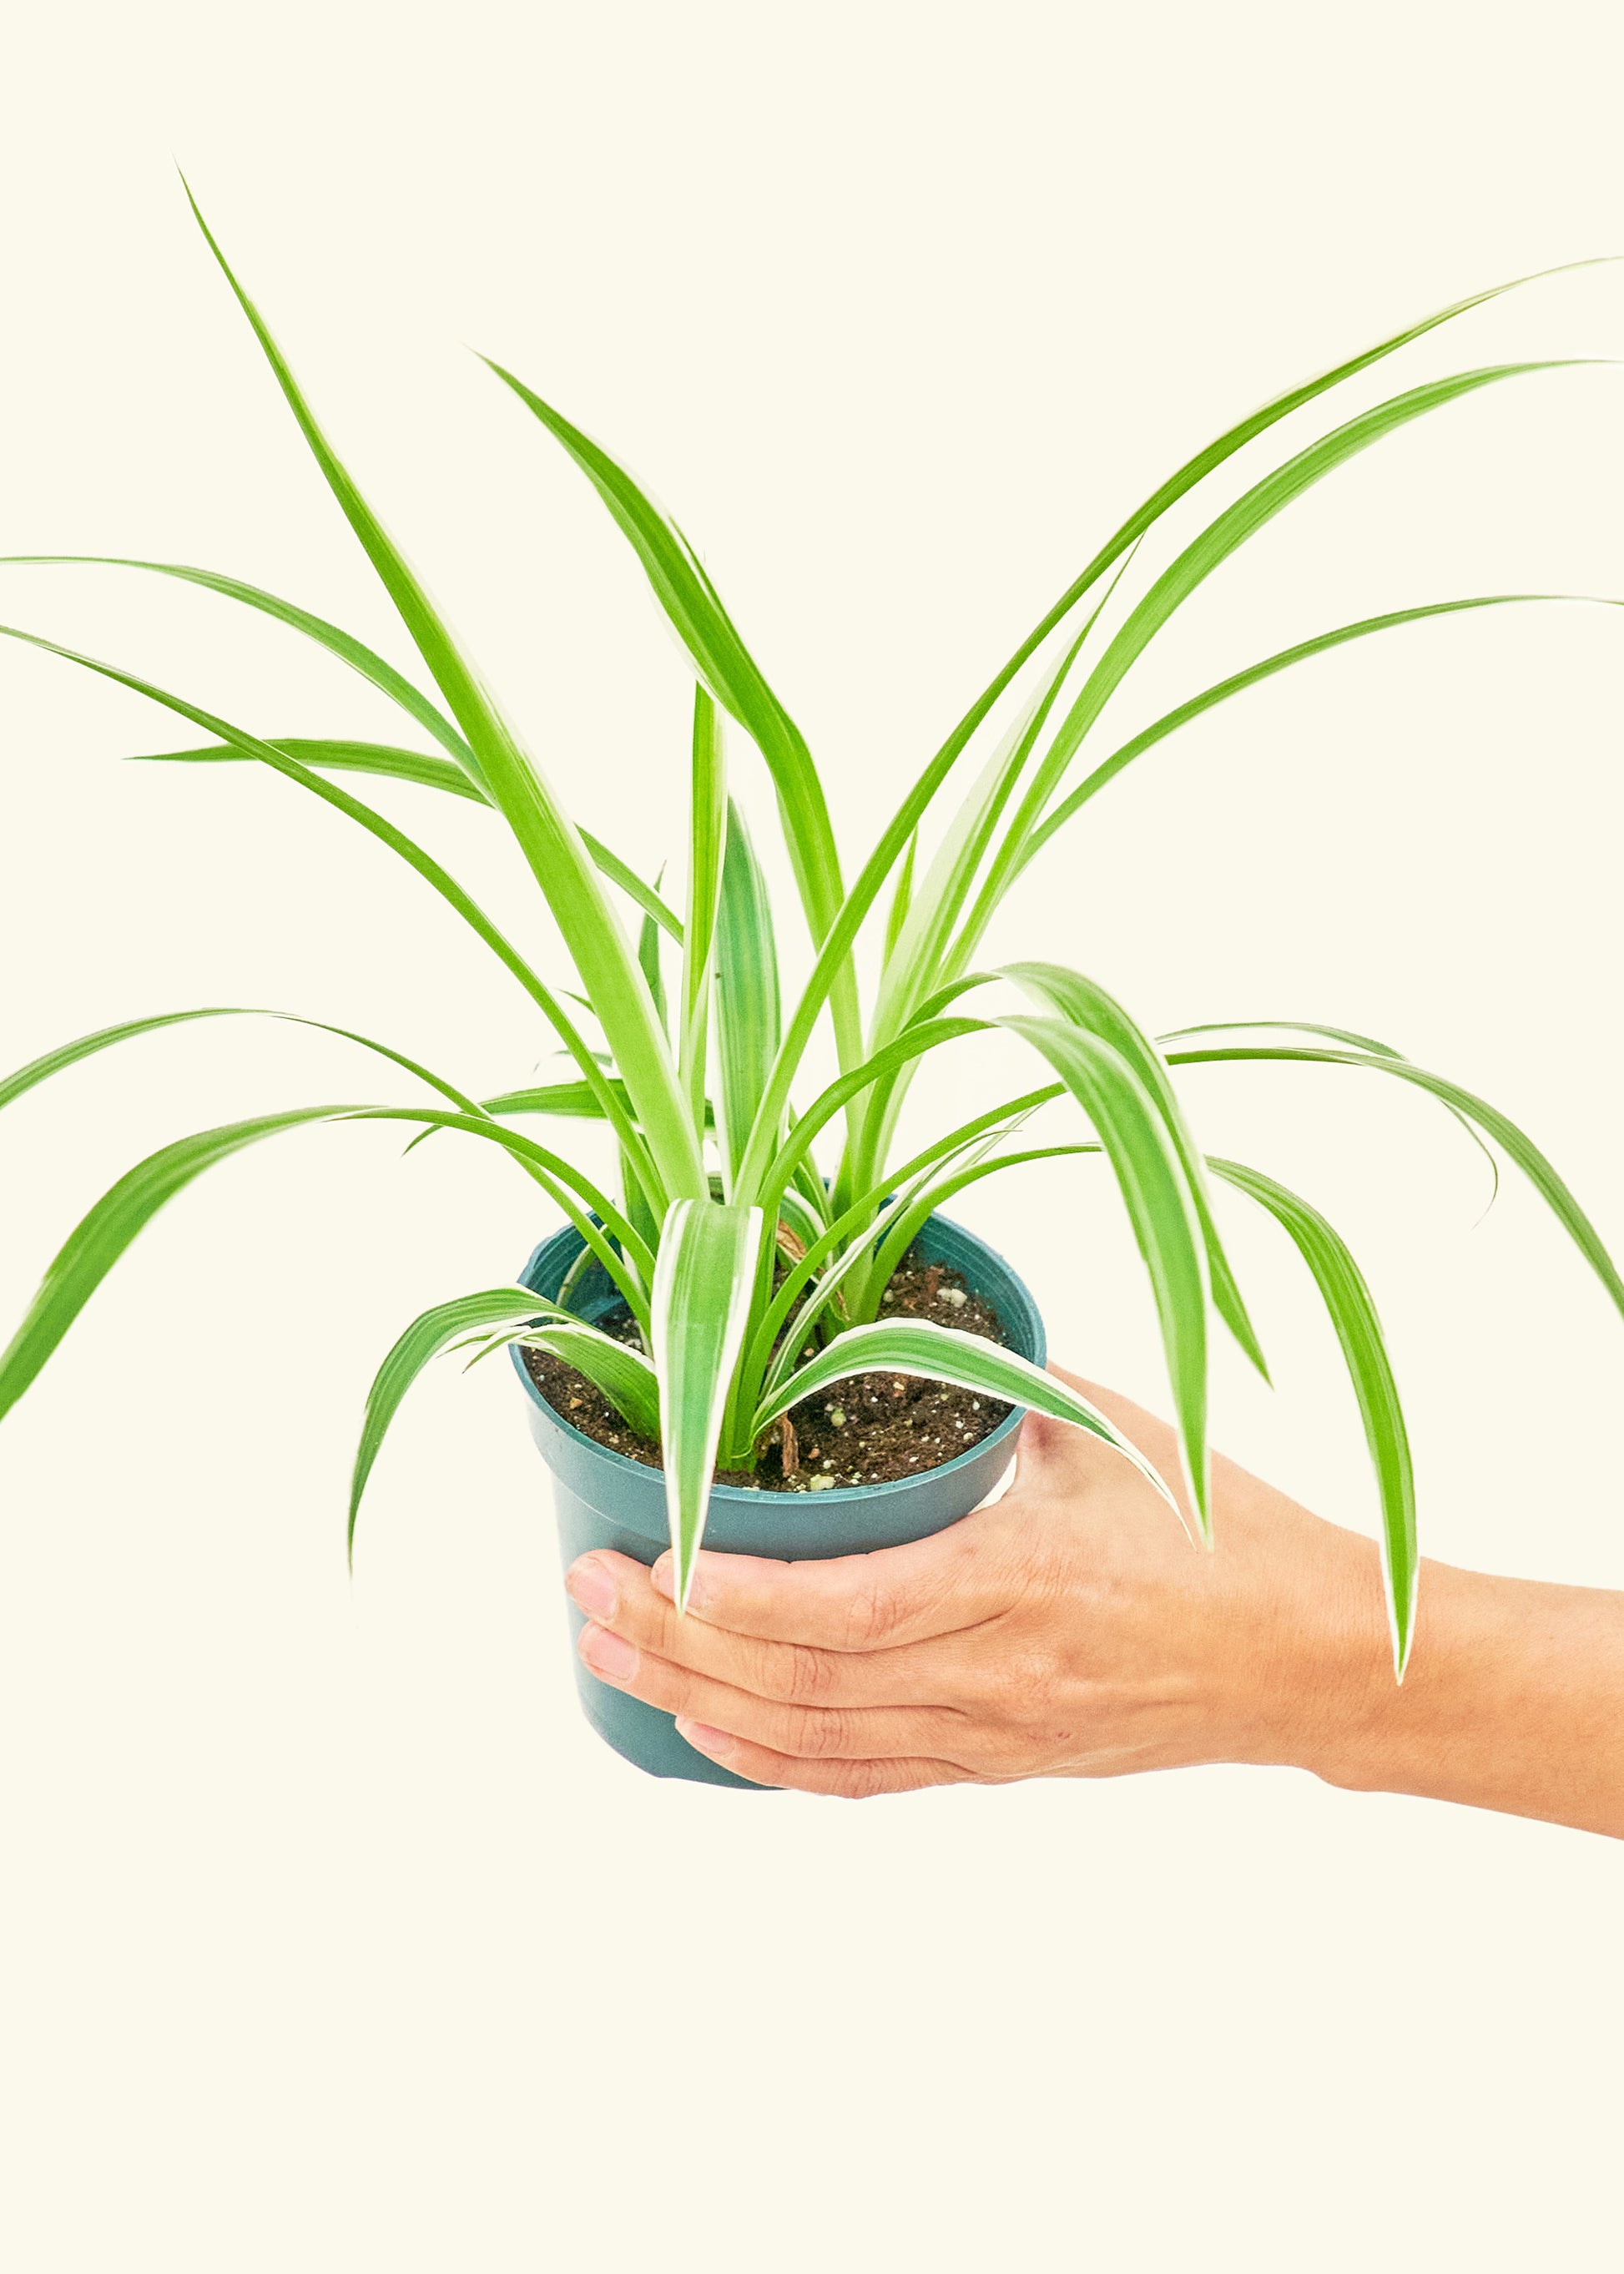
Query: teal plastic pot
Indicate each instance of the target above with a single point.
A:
(605, 1500)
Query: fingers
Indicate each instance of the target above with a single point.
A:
(819, 1733)
(844, 1780)
(935, 1587)
(618, 1593)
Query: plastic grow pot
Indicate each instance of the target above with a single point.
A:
(604, 1499)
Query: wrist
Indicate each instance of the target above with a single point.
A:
(1379, 1734)
(1336, 1708)
(1514, 1700)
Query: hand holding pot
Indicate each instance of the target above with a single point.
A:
(1072, 1629)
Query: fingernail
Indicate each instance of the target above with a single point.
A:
(704, 1739)
(591, 1587)
(609, 1654)
(664, 1578)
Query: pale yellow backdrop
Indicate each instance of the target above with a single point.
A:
(329, 1937)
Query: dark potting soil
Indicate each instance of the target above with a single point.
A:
(870, 1428)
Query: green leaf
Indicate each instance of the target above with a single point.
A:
(611, 865)
(730, 673)
(855, 1221)
(1505, 1132)
(574, 1101)
(901, 901)
(547, 1168)
(1087, 1004)
(1222, 536)
(1208, 459)
(1287, 1026)
(906, 1224)
(425, 773)
(639, 1208)
(623, 1374)
(1358, 1329)
(834, 954)
(870, 1260)
(1333, 1034)
(947, 883)
(797, 1213)
(707, 841)
(618, 1370)
(428, 1334)
(918, 959)
(102, 1237)
(386, 833)
(913, 1042)
(1171, 721)
(703, 1281)
(85, 1046)
(649, 964)
(1155, 1190)
(544, 833)
(791, 1338)
(384, 758)
(67, 1054)
(944, 1354)
(107, 1229)
(923, 957)
(355, 652)
(563, 1183)
(745, 994)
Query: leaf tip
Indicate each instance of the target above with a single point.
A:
(1401, 1659)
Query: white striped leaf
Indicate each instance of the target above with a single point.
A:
(707, 841)
(744, 995)
(1534, 1164)
(398, 842)
(624, 1374)
(433, 1331)
(1353, 1314)
(1162, 1209)
(833, 956)
(542, 828)
(703, 1278)
(1087, 1004)
(396, 764)
(916, 1346)
(694, 608)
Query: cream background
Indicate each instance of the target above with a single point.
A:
(328, 1937)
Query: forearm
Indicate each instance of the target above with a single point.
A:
(1514, 1700)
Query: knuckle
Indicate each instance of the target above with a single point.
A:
(861, 1781)
(1023, 1682)
(669, 1686)
(818, 1735)
(805, 1676)
(875, 1615)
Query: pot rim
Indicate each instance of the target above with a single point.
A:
(753, 1495)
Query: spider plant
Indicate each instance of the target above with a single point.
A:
(752, 1236)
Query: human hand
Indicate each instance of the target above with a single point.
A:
(1070, 1629)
